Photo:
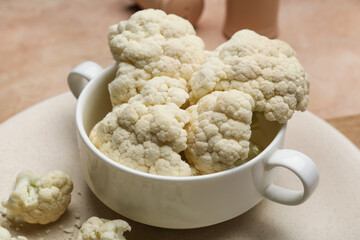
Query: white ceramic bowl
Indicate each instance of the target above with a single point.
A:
(181, 202)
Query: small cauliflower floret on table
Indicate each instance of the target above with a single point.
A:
(5, 235)
(150, 44)
(39, 200)
(266, 69)
(219, 131)
(102, 229)
(162, 90)
(145, 138)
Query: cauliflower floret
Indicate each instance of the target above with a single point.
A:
(102, 229)
(145, 138)
(5, 235)
(150, 44)
(266, 69)
(39, 200)
(162, 90)
(219, 131)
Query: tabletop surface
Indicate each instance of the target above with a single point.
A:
(325, 215)
(43, 40)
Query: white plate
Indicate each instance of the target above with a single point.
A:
(43, 138)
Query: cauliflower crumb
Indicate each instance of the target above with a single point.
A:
(102, 229)
(151, 44)
(68, 230)
(77, 215)
(5, 235)
(145, 138)
(2, 210)
(266, 69)
(39, 200)
(219, 131)
(77, 223)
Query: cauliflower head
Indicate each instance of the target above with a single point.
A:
(5, 235)
(266, 69)
(219, 131)
(39, 200)
(151, 44)
(162, 90)
(102, 229)
(145, 138)
(162, 68)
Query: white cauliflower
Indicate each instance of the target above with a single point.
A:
(39, 200)
(162, 67)
(219, 131)
(102, 229)
(5, 235)
(145, 138)
(162, 90)
(266, 69)
(150, 44)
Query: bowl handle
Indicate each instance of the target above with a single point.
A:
(302, 166)
(81, 75)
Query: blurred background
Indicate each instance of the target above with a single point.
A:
(41, 41)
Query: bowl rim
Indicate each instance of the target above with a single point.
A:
(85, 138)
